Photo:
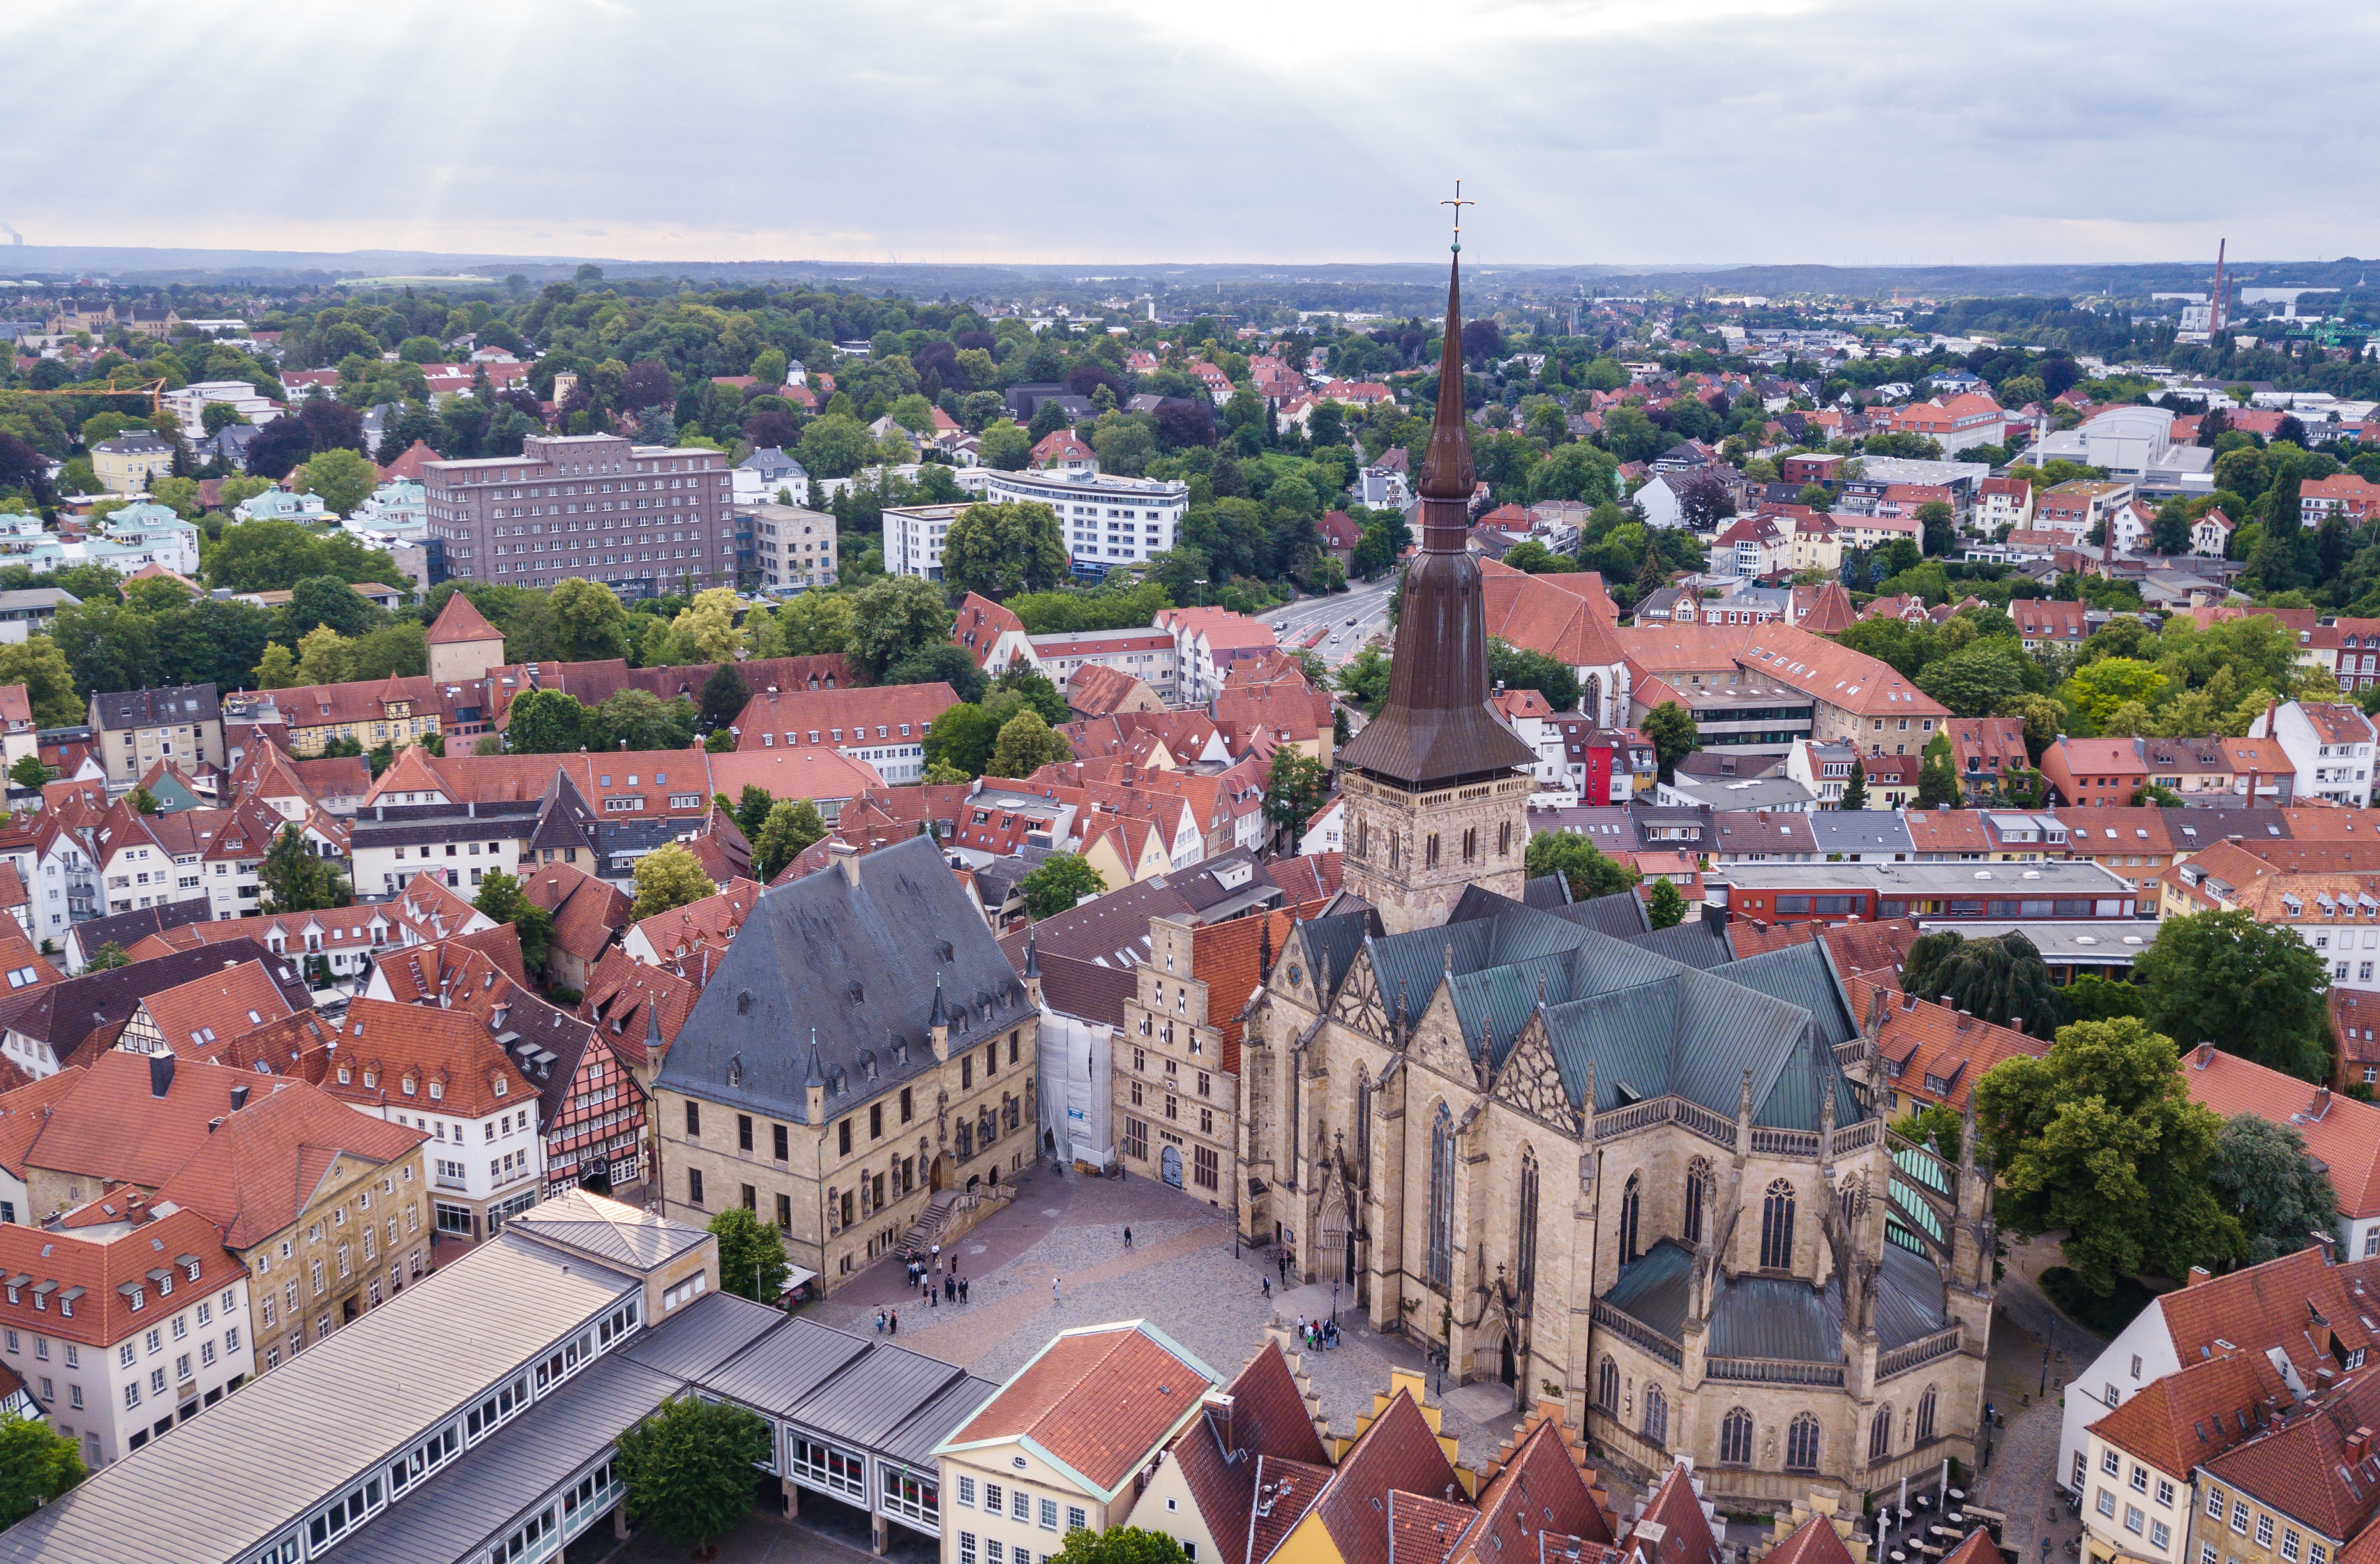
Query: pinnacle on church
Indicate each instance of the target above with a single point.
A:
(1436, 727)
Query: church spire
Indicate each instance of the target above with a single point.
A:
(1436, 726)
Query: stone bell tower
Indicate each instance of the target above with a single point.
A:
(1437, 787)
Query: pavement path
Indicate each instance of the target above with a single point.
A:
(1179, 1275)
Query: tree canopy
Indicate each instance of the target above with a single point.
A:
(1058, 882)
(689, 1467)
(2252, 988)
(2098, 1139)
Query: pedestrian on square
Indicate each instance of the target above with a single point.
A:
(962, 1289)
(1054, 1299)
(894, 1328)
(1284, 1267)
(880, 1322)
(933, 1300)
(1264, 1283)
(1127, 1235)
(950, 1285)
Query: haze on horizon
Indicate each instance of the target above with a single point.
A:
(1624, 132)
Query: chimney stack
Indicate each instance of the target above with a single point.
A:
(161, 1073)
(238, 1097)
(845, 857)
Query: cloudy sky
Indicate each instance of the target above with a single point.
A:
(1618, 131)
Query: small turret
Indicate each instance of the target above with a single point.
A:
(938, 1024)
(814, 1086)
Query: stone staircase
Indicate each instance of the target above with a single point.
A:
(948, 1213)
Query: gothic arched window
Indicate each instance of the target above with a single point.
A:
(1441, 1198)
(1879, 1435)
(1656, 1425)
(1776, 1228)
(1801, 1443)
(1525, 1240)
(1697, 1172)
(1607, 1385)
(1735, 1438)
(1925, 1416)
(1629, 1200)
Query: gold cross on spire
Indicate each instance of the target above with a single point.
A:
(1458, 203)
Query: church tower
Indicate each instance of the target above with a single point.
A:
(1437, 787)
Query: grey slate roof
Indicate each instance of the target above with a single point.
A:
(93, 1006)
(858, 967)
(222, 1501)
(781, 1370)
(703, 1335)
(1757, 1316)
(915, 1440)
(640, 1241)
(177, 704)
(1872, 832)
(475, 1501)
(1693, 941)
(874, 1395)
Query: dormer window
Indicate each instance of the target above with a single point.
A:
(500, 1085)
(371, 1077)
(140, 1299)
(409, 1085)
(342, 1074)
(191, 1270)
(437, 1091)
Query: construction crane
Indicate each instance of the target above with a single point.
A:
(153, 390)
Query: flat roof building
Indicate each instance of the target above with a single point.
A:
(1838, 892)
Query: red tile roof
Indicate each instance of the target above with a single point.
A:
(2259, 1307)
(458, 621)
(267, 1161)
(588, 913)
(1685, 1530)
(95, 1275)
(2341, 1133)
(2301, 1467)
(1098, 1399)
(392, 1055)
(1815, 1541)
(1399, 1448)
(2200, 1411)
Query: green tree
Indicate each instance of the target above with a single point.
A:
(2096, 689)
(2098, 1139)
(812, 623)
(1056, 883)
(1001, 550)
(266, 556)
(144, 801)
(689, 1467)
(707, 626)
(38, 665)
(1003, 446)
(1665, 904)
(2252, 988)
(547, 722)
(895, 618)
(836, 446)
(1934, 515)
(296, 881)
(1855, 787)
(1579, 861)
(2090, 998)
(1294, 788)
(586, 621)
(1671, 729)
(1936, 1124)
(108, 955)
(345, 478)
(1025, 744)
(789, 829)
(640, 720)
(961, 739)
(1119, 1544)
(751, 810)
(37, 1464)
(2002, 980)
(2281, 1195)
(668, 877)
(724, 696)
(1938, 775)
(1979, 678)
(501, 897)
(29, 772)
(1521, 669)
(1363, 678)
(751, 1256)
(319, 600)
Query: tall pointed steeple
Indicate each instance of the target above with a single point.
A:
(1436, 727)
(1436, 786)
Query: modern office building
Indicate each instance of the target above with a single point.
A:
(642, 519)
(1107, 520)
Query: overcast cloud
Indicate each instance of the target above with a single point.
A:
(1611, 131)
